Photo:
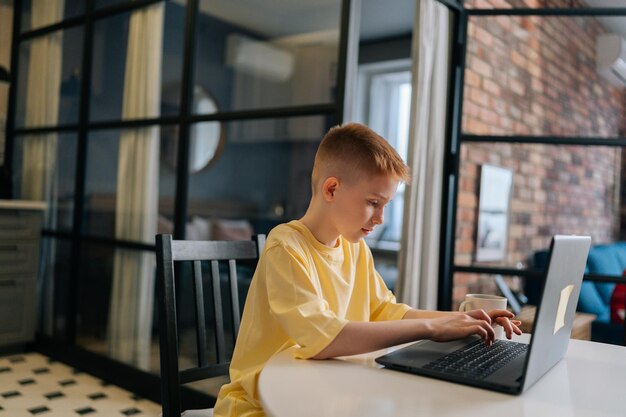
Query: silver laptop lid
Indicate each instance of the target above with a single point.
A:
(555, 312)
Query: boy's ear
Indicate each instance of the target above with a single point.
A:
(329, 187)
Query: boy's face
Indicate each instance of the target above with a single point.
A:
(358, 208)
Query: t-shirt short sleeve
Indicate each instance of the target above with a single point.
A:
(296, 302)
(383, 303)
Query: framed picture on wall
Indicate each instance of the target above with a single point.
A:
(493, 213)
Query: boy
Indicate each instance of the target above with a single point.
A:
(315, 287)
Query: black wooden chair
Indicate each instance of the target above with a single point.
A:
(169, 251)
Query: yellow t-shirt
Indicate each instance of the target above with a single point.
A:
(302, 293)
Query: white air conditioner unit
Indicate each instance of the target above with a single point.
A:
(611, 58)
(258, 58)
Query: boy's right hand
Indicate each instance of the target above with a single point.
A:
(460, 325)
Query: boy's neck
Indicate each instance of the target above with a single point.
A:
(319, 227)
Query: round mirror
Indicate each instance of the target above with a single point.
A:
(206, 139)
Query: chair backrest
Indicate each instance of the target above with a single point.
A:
(169, 251)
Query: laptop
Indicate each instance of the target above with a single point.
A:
(508, 366)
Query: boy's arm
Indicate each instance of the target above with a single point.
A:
(426, 314)
(362, 337)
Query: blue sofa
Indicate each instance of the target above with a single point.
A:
(595, 297)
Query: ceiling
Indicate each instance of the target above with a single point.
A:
(379, 20)
(288, 17)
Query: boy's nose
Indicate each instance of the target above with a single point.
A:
(378, 217)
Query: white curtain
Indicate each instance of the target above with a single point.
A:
(39, 155)
(419, 257)
(132, 296)
(42, 104)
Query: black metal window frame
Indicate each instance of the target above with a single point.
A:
(456, 137)
(65, 347)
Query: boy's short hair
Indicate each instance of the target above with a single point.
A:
(353, 150)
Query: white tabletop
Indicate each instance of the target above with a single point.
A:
(590, 381)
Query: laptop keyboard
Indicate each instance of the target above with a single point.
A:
(477, 360)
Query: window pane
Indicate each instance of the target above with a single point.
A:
(537, 75)
(275, 53)
(110, 61)
(465, 283)
(207, 141)
(261, 178)
(108, 312)
(384, 104)
(590, 307)
(54, 287)
(555, 190)
(4, 101)
(49, 79)
(6, 33)
(45, 169)
(128, 194)
(39, 13)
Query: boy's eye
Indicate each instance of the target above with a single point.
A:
(373, 203)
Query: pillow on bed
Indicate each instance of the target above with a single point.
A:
(198, 228)
(232, 229)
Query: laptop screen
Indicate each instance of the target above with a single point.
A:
(556, 310)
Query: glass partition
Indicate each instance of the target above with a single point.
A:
(116, 305)
(112, 60)
(545, 76)
(48, 85)
(261, 177)
(551, 189)
(247, 58)
(4, 99)
(129, 193)
(40, 13)
(54, 287)
(45, 170)
(539, 4)
(117, 310)
(246, 175)
(99, 4)
(474, 283)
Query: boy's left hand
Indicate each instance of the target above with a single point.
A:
(505, 319)
(501, 317)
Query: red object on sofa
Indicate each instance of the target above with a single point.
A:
(618, 302)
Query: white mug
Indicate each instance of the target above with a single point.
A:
(485, 302)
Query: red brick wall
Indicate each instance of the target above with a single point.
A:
(536, 76)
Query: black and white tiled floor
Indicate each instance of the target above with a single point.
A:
(33, 385)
